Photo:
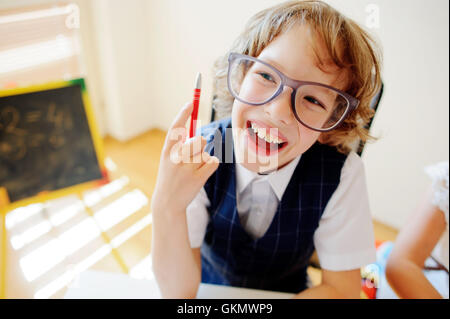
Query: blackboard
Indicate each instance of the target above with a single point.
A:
(46, 140)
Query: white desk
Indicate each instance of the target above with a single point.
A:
(103, 285)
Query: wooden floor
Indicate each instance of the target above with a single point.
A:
(132, 167)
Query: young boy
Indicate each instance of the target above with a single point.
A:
(299, 80)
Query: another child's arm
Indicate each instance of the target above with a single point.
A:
(413, 246)
(176, 265)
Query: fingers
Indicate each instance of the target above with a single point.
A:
(188, 152)
(191, 157)
(177, 131)
(192, 147)
(182, 116)
(211, 163)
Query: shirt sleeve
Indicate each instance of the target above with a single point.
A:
(345, 239)
(197, 218)
(439, 177)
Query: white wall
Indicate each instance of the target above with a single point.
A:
(413, 118)
(186, 37)
(119, 31)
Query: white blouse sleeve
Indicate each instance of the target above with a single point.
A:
(345, 239)
(439, 177)
(197, 218)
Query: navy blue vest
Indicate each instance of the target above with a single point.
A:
(279, 259)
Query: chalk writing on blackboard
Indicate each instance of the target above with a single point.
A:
(45, 142)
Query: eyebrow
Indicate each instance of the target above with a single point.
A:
(273, 63)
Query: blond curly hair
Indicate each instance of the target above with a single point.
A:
(350, 47)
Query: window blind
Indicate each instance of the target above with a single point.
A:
(39, 44)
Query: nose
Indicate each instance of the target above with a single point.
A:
(279, 109)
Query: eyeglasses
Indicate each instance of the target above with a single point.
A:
(317, 106)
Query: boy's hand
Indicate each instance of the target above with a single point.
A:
(183, 169)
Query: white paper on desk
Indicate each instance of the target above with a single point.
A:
(208, 291)
(103, 285)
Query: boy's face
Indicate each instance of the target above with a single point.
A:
(291, 53)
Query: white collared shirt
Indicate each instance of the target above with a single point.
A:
(257, 196)
(344, 239)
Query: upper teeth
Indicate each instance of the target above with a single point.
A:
(261, 132)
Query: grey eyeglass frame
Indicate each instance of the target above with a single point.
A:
(294, 84)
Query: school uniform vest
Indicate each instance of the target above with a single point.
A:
(278, 260)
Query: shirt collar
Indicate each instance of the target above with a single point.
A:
(278, 179)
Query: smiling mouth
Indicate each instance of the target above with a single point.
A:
(262, 141)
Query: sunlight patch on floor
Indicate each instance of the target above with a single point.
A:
(48, 223)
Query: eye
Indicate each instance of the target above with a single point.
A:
(266, 76)
(312, 100)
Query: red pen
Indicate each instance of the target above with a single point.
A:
(196, 101)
